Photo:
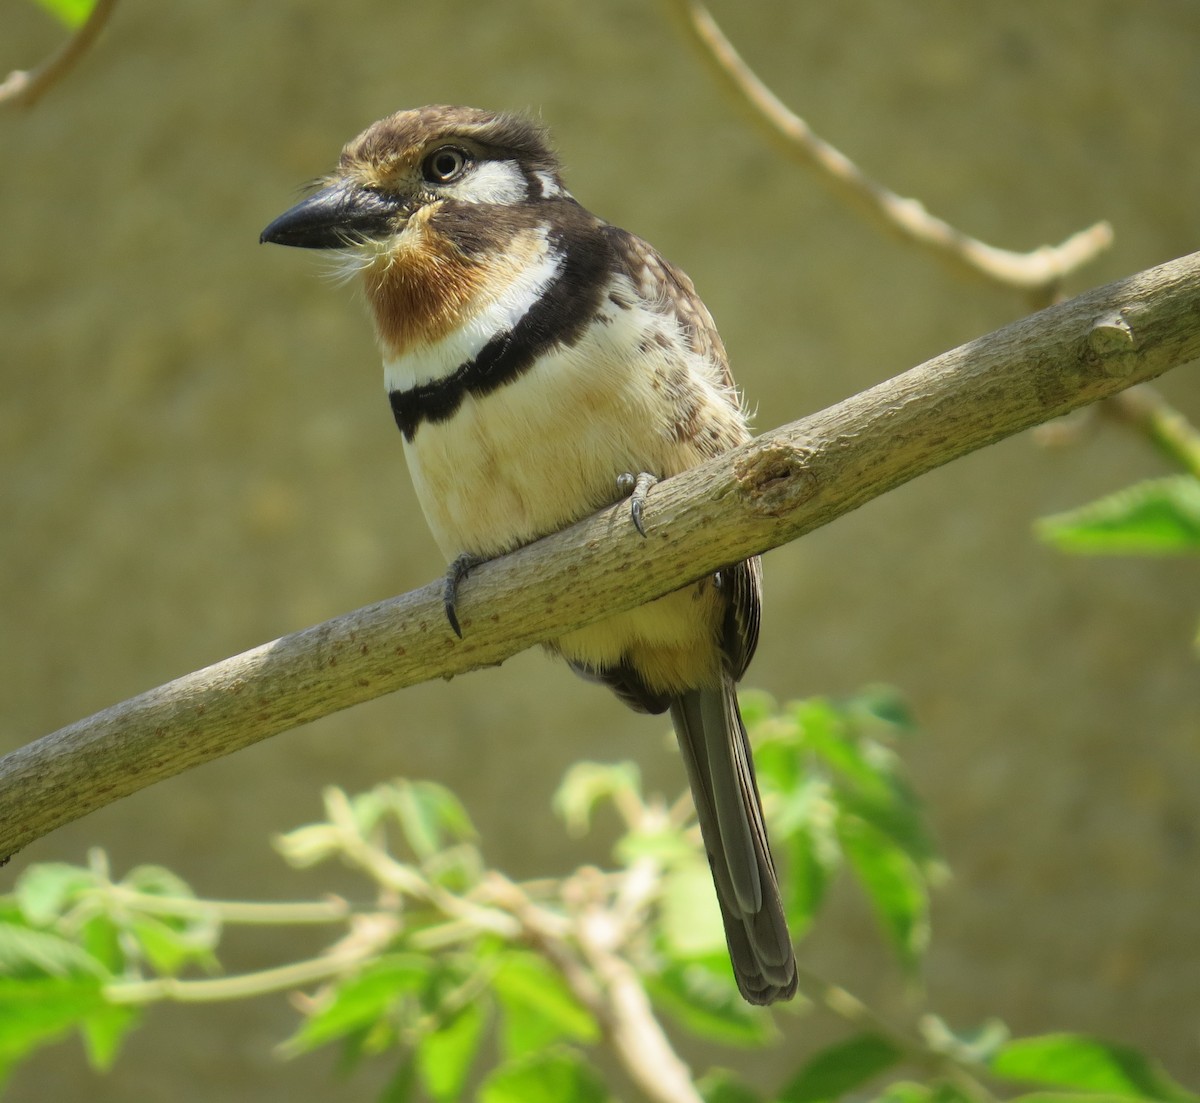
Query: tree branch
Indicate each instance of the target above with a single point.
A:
(1039, 273)
(24, 87)
(780, 486)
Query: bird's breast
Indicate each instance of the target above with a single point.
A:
(560, 375)
(538, 452)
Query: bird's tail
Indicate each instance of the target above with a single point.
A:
(716, 751)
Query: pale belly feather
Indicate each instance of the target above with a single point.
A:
(545, 450)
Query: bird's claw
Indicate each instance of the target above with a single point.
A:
(635, 487)
(455, 573)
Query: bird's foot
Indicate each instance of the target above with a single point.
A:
(455, 573)
(635, 487)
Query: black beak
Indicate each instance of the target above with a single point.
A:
(334, 217)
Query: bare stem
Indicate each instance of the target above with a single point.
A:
(587, 953)
(1165, 427)
(283, 978)
(332, 910)
(1038, 273)
(24, 87)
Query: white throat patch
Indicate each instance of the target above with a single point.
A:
(426, 363)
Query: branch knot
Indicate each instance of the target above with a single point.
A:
(1112, 344)
(776, 478)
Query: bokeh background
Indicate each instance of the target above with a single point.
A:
(197, 456)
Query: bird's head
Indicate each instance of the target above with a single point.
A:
(401, 171)
(439, 209)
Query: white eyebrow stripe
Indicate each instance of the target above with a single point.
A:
(490, 182)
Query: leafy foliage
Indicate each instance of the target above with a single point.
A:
(1080, 1063)
(475, 986)
(842, 1068)
(1151, 517)
(840, 798)
(68, 933)
(1155, 517)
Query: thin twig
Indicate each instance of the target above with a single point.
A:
(234, 912)
(633, 1029)
(24, 87)
(1140, 408)
(342, 958)
(1165, 427)
(607, 985)
(1039, 273)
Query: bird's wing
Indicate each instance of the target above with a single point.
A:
(742, 586)
(658, 281)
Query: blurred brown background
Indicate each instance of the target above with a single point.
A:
(198, 456)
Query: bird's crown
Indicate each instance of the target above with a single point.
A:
(440, 144)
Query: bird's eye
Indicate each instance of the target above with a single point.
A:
(444, 165)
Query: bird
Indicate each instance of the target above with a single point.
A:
(542, 364)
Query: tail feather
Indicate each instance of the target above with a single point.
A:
(716, 752)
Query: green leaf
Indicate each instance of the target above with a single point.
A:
(707, 1003)
(688, 912)
(722, 1086)
(894, 886)
(430, 816)
(402, 1087)
(46, 890)
(367, 809)
(1156, 517)
(169, 946)
(101, 938)
(840, 1068)
(864, 763)
(361, 1002)
(668, 844)
(808, 841)
(778, 767)
(158, 881)
(885, 704)
(25, 952)
(445, 1055)
(975, 1045)
(70, 12)
(1087, 1064)
(538, 1007)
(587, 783)
(36, 1011)
(757, 707)
(905, 1091)
(897, 815)
(1068, 1097)
(103, 1032)
(553, 1076)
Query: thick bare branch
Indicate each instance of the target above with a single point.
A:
(1038, 273)
(24, 87)
(785, 483)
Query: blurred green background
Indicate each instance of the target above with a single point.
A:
(198, 457)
